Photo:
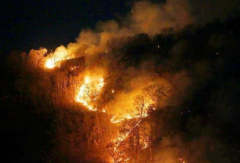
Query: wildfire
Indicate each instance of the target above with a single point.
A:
(88, 95)
(142, 107)
(89, 92)
(123, 137)
(121, 155)
(55, 58)
(144, 114)
(115, 120)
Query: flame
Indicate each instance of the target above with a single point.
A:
(50, 64)
(89, 92)
(57, 57)
(142, 108)
(122, 156)
(115, 120)
(145, 145)
(121, 138)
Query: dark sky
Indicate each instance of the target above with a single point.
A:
(27, 24)
(31, 24)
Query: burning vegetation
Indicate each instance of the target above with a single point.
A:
(136, 93)
(89, 92)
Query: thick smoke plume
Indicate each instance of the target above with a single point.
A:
(150, 18)
(145, 17)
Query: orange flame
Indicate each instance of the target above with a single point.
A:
(55, 58)
(89, 91)
(50, 64)
(115, 120)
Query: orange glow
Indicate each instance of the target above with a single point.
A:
(115, 120)
(119, 140)
(142, 107)
(59, 55)
(89, 92)
(50, 64)
(88, 95)
(145, 108)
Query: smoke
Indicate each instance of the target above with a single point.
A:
(152, 18)
(134, 84)
(145, 17)
(159, 90)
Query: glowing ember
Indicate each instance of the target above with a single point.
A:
(89, 92)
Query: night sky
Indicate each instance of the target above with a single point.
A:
(31, 24)
(27, 24)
